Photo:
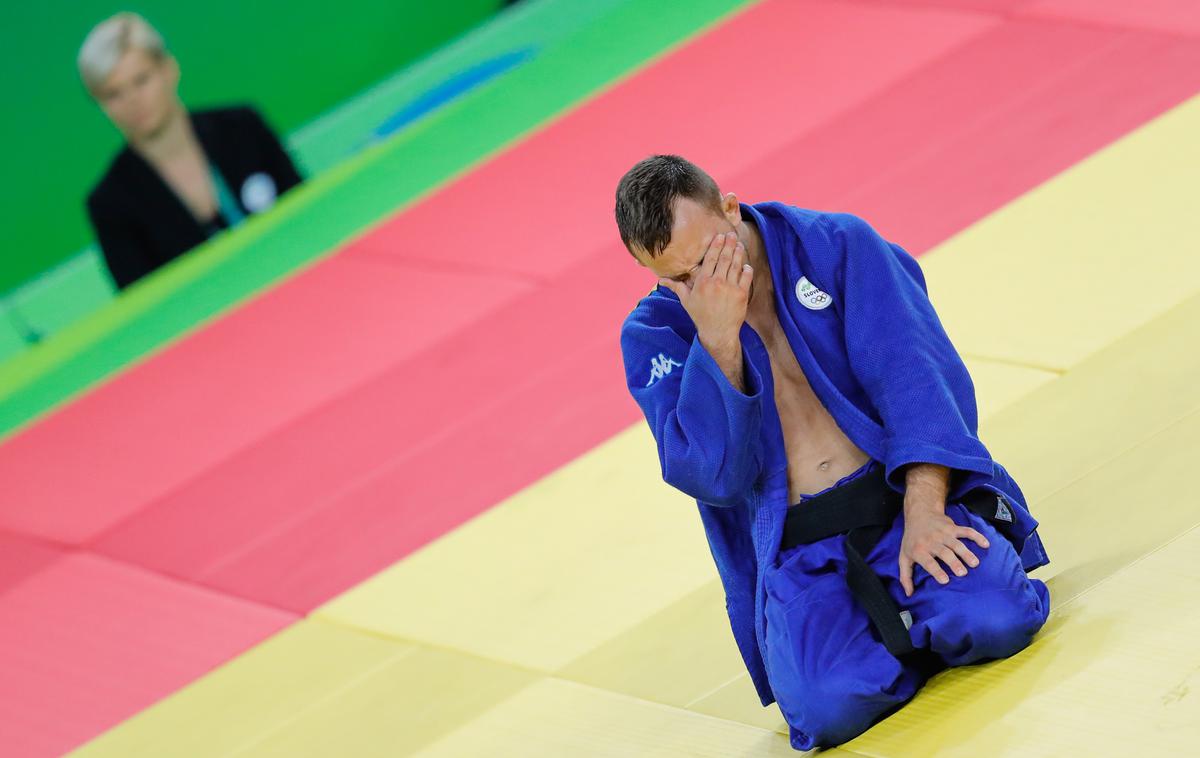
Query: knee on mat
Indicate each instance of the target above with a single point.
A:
(990, 625)
(839, 708)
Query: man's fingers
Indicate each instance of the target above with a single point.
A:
(725, 262)
(724, 259)
(952, 562)
(964, 553)
(712, 255)
(906, 576)
(967, 533)
(735, 264)
(934, 568)
(746, 277)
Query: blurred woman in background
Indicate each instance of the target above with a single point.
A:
(181, 176)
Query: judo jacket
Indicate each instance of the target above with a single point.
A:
(857, 315)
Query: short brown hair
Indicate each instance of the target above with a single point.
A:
(646, 198)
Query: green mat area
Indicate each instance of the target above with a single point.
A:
(72, 290)
(11, 339)
(341, 203)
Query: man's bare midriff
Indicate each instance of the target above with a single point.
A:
(818, 452)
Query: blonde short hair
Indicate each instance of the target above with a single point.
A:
(112, 38)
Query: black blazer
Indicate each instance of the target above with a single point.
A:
(141, 223)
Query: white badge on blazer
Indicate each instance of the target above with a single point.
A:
(258, 192)
(811, 297)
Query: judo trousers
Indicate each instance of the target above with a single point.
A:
(830, 672)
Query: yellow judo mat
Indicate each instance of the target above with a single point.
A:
(548, 626)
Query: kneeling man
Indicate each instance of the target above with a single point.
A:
(801, 387)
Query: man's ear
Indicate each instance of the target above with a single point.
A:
(731, 208)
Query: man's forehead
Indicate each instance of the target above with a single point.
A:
(687, 237)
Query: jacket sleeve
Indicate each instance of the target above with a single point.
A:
(124, 251)
(707, 430)
(279, 163)
(900, 354)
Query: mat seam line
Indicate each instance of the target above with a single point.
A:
(1074, 598)
(540, 673)
(326, 697)
(1027, 13)
(1110, 26)
(919, 5)
(1017, 362)
(1133, 446)
(374, 258)
(197, 586)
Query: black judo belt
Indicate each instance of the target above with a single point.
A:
(864, 509)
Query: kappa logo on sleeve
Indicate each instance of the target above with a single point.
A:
(660, 366)
(811, 297)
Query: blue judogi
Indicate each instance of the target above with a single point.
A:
(856, 313)
(832, 676)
